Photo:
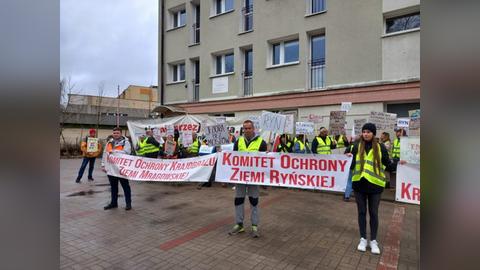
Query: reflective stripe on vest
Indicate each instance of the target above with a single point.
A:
(146, 148)
(368, 169)
(109, 147)
(254, 146)
(324, 148)
(194, 147)
(396, 148)
(282, 149)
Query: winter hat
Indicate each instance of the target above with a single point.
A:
(91, 131)
(370, 127)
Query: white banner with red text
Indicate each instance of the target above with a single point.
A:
(322, 172)
(408, 183)
(196, 169)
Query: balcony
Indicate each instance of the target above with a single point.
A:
(246, 19)
(195, 36)
(316, 74)
(247, 84)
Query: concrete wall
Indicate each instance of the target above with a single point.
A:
(401, 56)
(140, 93)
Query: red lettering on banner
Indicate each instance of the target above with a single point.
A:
(313, 164)
(410, 192)
(247, 176)
(342, 164)
(226, 159)
(128, 173)
(274, 176)
(234, 176)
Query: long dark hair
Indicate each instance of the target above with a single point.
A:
(376, 157)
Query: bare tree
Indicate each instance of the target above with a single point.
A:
(66, 88)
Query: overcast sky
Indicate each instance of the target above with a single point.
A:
(114, 41)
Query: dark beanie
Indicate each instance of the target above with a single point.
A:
(371, 127)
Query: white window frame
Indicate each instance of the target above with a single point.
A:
(178, 12)
(222, 9)
(309, 11)
(282, 53)
(215, 56)
(175, 69)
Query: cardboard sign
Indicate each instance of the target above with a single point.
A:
(408, 183)
(187, 138)
(337, 122)
(169, 148)
(323, 172)
(306, 128)
(216, 135)
(273, 122)
(220, 85)
(414, 124)
(410, 149)
(385, 122)
(358, 124)
(346, 106)
(289, 123)
(92, 145)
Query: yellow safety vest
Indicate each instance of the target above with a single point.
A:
(254, 146)
(340, 142)
(396, 149)
(369, 173)
(146, 148)
(280, 148)
(193, 149)
(302, 146)
(324, 148)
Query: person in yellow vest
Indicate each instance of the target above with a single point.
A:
(148, 146)
(399, 132)
(285, 145)
(195, 146)
(370, 160)
(117, 144)
(89, 156)
(299, 147)
(249, 142)
(342, 141)
(323, 144)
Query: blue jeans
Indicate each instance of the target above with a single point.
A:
(86, 161)
(348, 189)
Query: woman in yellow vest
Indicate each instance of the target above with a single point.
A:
(370, 159)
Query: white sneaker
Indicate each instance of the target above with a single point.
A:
(362, 246)
(374, 247)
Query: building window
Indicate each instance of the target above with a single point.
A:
(222, 6)
(178, 72)
(402, 23)
(179, 18)
(315, 6)
(224, 64)
(285, 52)
(317, 62)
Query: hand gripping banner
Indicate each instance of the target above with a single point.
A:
(323, 172)
(197, 169)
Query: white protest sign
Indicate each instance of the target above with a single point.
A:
(346, 106)
(227, 147)
(205, 149)
(323, 172)
(221, 119)
(414, 124)
(157, 135)
(306, 128)
(170, 130)
(289, 122)
(187, 138)
(197, 169)
(220, 85)
(403, 122)
(408, 183)
(273, 122)
(358, 124)
(256, 121)
(169, 148)
(410, 149)
(92, 145)
(337, 122)
(216, 135)
(385, 122)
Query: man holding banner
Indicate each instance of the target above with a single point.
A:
(247, 143)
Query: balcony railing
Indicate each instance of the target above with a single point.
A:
(195, 33)
(247, 19)
(316, 74)
(196, 91)
(247, 83)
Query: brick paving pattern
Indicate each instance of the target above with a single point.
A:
(176, 226)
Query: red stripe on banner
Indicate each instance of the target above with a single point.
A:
(391, 249)
(210, 227)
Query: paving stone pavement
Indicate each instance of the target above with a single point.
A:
(176, 226)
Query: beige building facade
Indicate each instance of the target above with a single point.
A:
(238, 57)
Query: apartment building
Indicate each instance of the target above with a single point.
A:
(239, 57)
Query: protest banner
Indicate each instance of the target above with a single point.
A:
(197, 169)
(216, 135)
(289, 123)
(306, 128)
(322, 172)
(410, 149)
(346, 106)
(187, 138)
(337, 123)
(92, 145)
(273, 122)
(358, 124)
(408, 183)
(414, 124)
(385, 122)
